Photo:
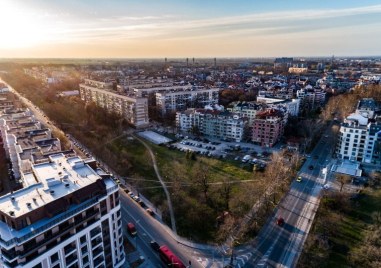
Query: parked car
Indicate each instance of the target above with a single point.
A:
(299, 179)
(154, 245)
(150, 212)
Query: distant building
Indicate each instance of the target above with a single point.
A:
(268, 127)
(283, 62)
(297, 70)
(182, 100)
(133, 109)
(311, 97)
(69, 93)
(210, 123)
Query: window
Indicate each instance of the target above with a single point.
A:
(54, 257)
(37, 266)
(85, 260)
(84, 250)
(83, 239)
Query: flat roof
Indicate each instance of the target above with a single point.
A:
(47, 182)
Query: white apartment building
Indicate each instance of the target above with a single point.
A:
(366, 107)
(311, 97)
(66, 216)
(246, 109)
(182, 100)
(292, 105)
(145, 89)
(133, 109)
(352, 138)
(360, 140)
(210, 123)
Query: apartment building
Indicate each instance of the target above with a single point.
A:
(311, 97)
(145, 89)
(360, 139)
(67, 215)
(133, 109)
(211, 123)
(24, 141)
(366, 107)
(268, 127)
(181, 100)
(292, 105)
(246, 109)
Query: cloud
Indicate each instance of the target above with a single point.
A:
(170, 27)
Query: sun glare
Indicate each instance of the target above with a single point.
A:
(20, 27)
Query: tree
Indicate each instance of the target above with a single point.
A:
(343, 179)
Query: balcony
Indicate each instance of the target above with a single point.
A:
(57, 220)
(63, 233)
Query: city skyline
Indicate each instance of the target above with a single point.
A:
(147, 29)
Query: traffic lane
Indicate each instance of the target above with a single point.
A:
(155, 230)
(289, 209)
(140, 242)
(294, 208)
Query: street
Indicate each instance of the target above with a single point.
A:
(281, 246)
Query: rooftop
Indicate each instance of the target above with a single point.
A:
(48, 182)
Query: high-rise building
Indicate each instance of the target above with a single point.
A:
(67, 215)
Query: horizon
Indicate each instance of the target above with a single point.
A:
(179, 29)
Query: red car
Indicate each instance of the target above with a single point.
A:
(280, 221)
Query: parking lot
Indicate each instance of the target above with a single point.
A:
(244, 153)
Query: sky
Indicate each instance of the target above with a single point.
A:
(188, 28)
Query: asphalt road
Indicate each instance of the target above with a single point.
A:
(149, 228)
(280, 246)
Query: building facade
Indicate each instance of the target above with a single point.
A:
(133, 109)
(310, 97)
(214, 124)
(182, 100)
(68, 215)
(360, 140)
(268, 127)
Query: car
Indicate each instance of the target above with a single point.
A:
(136, 198)
(280, 221)
(150, 212)
(131, 229)
(326, 186)
(310, 167)
(131, 194)
(299, 179)
(154, 245)
(142, 204)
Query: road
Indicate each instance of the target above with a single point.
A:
(280, 246)
(149, 228)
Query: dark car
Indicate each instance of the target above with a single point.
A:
(154, 245)
(142, 204)
(280, 221)
(310, 167)
(150, 212)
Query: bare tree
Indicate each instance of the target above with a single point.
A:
(343, 179)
